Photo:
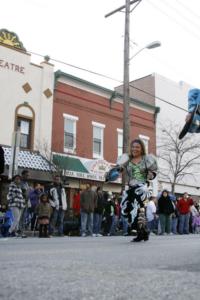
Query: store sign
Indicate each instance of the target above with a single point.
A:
(96, 169)
(90, 176)
(99, 166)
(12, 67)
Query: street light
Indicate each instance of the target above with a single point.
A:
(126, 102)
(151, 45)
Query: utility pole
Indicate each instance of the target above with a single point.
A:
(126, 101)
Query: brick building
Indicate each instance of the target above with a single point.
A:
(87, 128)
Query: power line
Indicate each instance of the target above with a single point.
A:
(188, 9)
(159, 98)
(189, 20)
(174, 20)
(111, 78)
(76, 67)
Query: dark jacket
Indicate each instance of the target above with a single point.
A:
(34, 196)
(88, 201)
(109, 209)
(100, 203)
(165, 205)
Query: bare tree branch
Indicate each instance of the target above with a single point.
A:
(177, 156)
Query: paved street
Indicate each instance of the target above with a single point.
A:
(166, 267)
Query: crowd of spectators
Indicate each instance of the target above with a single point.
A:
(45, 211)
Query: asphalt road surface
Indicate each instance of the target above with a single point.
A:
(166, 267)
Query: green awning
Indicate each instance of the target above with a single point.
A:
(69, 163)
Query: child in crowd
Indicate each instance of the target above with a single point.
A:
(152, 218)
(44, 212)
(6, 219)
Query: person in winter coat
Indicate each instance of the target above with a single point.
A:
(16, 203)
(77, 203)
(43, 211)
(58, 202)
(34, 196)
(116, 216)
(98, 212)
(108, 213)
(26, 188)
(193, 101)
(184, 204)
(165, 210)
(88, 205)
(151, 215)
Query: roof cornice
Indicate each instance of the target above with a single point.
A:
(113, 94)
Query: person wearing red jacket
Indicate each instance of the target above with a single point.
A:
(76, 203)
(183, 207)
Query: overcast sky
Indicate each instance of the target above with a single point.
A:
(76, 32)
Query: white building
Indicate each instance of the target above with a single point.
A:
(26, 93)
(171, 99)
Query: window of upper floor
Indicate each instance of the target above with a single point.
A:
(145, 140)
(98, 139)
(24, 125)
(119, 142)
(70, 133)
(25, 122)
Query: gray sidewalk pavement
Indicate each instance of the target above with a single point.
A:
(166, 267)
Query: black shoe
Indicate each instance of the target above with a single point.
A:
(12, 234)
(137, 239)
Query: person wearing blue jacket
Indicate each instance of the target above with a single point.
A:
(193, 102)
(34, 196)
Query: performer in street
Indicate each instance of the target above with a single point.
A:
(140, 168)
(192, 124)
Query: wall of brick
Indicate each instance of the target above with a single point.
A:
(88, 107)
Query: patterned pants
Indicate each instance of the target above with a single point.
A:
(132, 202)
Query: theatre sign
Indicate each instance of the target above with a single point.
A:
(11, 66)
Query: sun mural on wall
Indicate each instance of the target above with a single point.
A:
(11, 39)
